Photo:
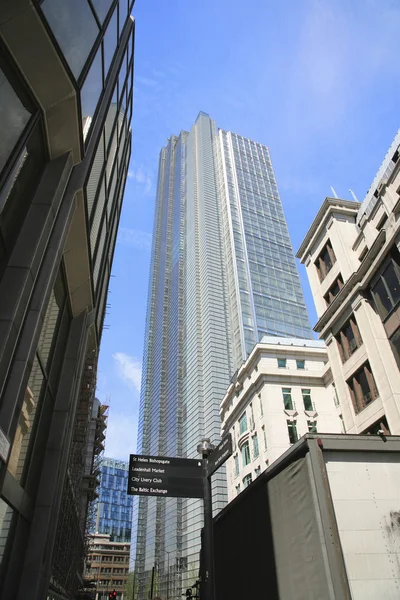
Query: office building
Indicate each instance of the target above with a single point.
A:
(66, 71)
(107, 568)
(223, 275)
(281, 392)
(114, 506)
(351, 253)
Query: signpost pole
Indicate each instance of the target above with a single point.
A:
(205, 448)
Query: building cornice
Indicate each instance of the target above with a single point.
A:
(261, 350)
(329, 206)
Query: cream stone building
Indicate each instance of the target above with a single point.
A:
(351, 253)
(282, 391)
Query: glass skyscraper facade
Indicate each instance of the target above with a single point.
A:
(114, 506)
(223, 275)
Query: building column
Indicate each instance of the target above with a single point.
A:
(383, 363)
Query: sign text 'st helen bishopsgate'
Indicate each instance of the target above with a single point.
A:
(165, 477)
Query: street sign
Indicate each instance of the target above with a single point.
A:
(165, 477)
(218, 456)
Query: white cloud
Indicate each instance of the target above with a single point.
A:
(339, 51)
(142, 178)
(129, 369)
(135, 238)
(121, 435)
(146, 81)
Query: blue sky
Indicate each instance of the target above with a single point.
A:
(317, 81)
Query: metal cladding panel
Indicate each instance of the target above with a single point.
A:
(275, 536)
(365, 489)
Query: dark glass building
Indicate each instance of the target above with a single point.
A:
(66, 85)
(114, 506)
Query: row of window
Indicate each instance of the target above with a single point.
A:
(288, 405)
(282, 362)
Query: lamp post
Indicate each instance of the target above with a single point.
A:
(205, 448)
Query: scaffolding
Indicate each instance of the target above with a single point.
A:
(81, 482)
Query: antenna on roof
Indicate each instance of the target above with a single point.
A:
(354, 196)
(333, 192)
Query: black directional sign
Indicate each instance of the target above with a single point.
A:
(165, 477)
(218, 456)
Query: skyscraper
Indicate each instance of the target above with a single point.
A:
(223, 275)
(114, 506)
(66, 89)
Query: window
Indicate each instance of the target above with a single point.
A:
(381, 222)
(325, 261)
(312, 426)
(282, 363)
(386, 291)
(6, 527)
(261, 405)
(362, 388)
(75, 29)
(343, 427)
(348, 339)
(243, 424)
(14, 116)
(264, 438)
(245, 454)
(44, 374)
(236, 465)
(256, 451)
(380, 425)
(308, 405)
(333, 290)
(287, 398)
(257, 471)
(251, 417)
(247, 480)
(292, 431)
(300, 364)
(395, 344)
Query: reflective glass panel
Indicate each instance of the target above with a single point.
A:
(110, 43)
(33, 394)
(92, 87)
(50, 322)
(6, 515)
(13, 119)
(92, 184)
(102, 7)
(382, 299)
(75, 29)
(123, 13)
(392, 282)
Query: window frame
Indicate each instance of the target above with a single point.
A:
(394, 261)
(344, 343)
(247, 480)
(287, 392)
(355, 385)
(243, 419)
(292, 429)
(320, 262)
(306, 392)
(245, 452)
(329, 297)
